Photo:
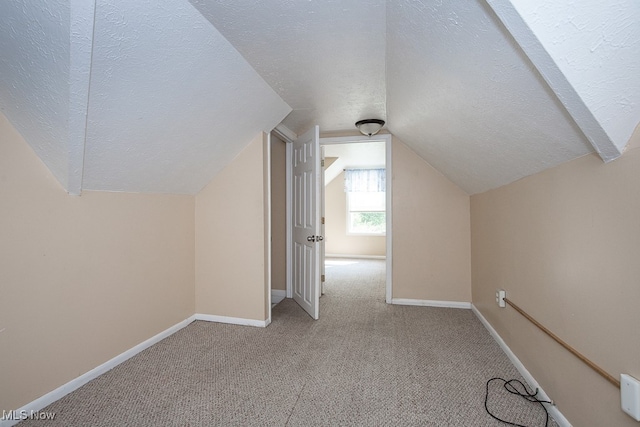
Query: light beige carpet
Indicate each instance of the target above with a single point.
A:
(363, 363)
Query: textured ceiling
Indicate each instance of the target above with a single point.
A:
(34, 82)
(326, 59)
(169, 104)
(447, 76)
(157, 96)
(464, 97)
(353, 155)
(172, 102)
(596, 46)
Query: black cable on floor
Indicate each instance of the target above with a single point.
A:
(526, 394)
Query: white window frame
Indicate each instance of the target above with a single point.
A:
(348, 221)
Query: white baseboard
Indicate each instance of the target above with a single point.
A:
(355, 256)
(431, 303)
(553, 410)
(233, 320)
(60, 392)
(44, 401)
(277, 295)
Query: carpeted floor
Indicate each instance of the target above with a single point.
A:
(363, 363)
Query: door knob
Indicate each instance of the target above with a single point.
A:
(319, 238)
(311, 238)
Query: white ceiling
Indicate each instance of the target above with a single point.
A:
(163, 94)
(355, 156)
(326, 59)
(34, 82)
(172, 102)
(464, 97)
(596, 45)
(589, 55)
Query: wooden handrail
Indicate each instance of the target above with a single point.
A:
(571, 350)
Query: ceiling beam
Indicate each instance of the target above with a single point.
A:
(80, 59)
(584, 117)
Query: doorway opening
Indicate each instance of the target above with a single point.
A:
(281, 207)
(357, 198)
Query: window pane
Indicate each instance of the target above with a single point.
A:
(367, 222)
(362, 201)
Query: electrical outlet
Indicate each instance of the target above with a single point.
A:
(630, 396)
(501, 294)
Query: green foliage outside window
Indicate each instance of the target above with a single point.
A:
(368, 222)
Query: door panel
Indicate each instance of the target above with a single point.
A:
(306, 221)
(322, 220)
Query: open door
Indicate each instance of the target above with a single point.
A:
(306, 205)
(322, 224)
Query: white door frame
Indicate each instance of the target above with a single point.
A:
(386, 138)
(267, 224)
(289, 225)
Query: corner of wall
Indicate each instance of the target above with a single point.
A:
(431, 231)
(230, 217)
(266, 200)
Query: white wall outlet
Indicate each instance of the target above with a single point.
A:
(501, 294)
(630, 396)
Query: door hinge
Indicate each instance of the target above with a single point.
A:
(322, 162)
(322, 278)
(322, 220)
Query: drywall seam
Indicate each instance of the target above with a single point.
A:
(80, 65)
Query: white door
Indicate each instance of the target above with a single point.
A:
(322, 224)
(305, 217)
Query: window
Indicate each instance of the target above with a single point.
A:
(366, 213)
(366, 201)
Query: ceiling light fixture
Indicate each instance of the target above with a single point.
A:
(369, 126)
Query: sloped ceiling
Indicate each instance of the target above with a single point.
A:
(169, 102)
(355, 155)
(464, 97)
(34, 77)
(326, 58)
(589, 54)
(158, 96)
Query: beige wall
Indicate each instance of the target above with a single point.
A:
(82, 279)
(278, 214)
(230, 233)
(336, 239)
(564, 244)
(431, 231)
